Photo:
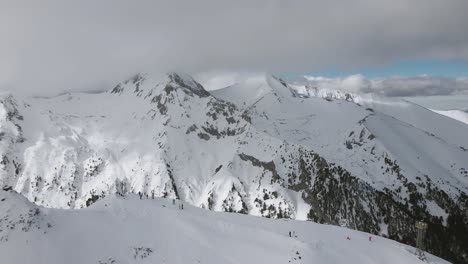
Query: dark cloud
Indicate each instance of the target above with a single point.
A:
(49, 46)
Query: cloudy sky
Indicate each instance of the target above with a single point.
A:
(421, 85)
(51, 46)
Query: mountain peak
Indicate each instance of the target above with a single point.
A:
(186, 81)
(252, 89)
(145, 84)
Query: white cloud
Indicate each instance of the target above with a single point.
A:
(217, 80)
(423, 85)
(353, 83)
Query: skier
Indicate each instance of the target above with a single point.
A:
(370, 238)
(348, 238)
(289, 233)
(152, 194)
(173, 201)
(141, 195)
(182, 206)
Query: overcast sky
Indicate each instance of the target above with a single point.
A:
(51, 46)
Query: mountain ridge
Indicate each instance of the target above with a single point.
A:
(274, 154)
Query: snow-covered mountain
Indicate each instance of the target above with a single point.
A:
(307, 91)
(258, 147)
(459, 115)
(128, 230)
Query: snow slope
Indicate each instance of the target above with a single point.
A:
(319, 124)
(246, 93)
(127, 230)
(258, 147)
(393, 145)
(459, 115)
(441, 102)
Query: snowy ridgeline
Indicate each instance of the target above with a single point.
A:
(127, 230)
(459, 115)
(258, 147)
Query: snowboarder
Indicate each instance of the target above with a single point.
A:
(348, 238)
(141, 195)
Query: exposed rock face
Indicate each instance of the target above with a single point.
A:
(269, 153)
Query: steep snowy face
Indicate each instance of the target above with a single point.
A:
(10, 137)
(128, 230)
(163, 136)
(257, 147)
(459, 115)
(358, 135)
(385, 157)
(246, 93)
(401, 109)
